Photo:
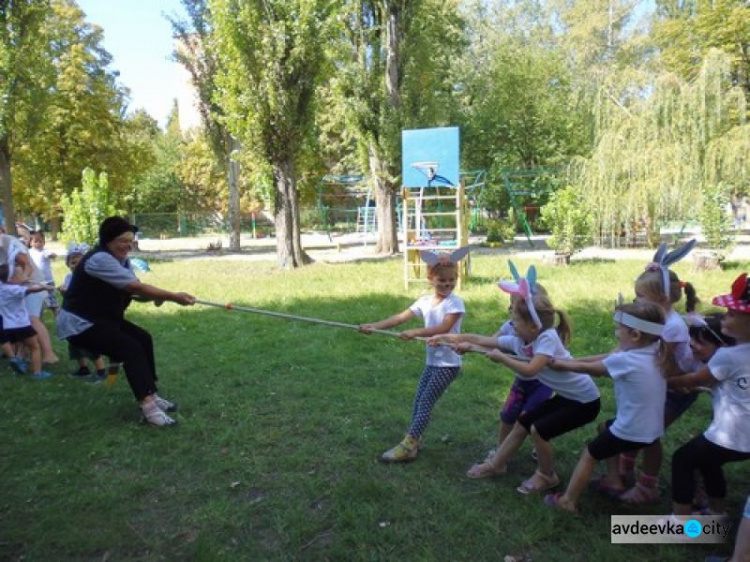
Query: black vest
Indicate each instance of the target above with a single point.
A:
(93, 299)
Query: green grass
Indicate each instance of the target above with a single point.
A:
(282, 423)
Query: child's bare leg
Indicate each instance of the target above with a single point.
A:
(497, 463)
(8, 350)
(578, 481)
(99, 364)
(35, 353)
(505, 429)
(45, 342)
(545, 453)
(652, 458)
(612, 479)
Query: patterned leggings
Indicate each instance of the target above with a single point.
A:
(433, 382)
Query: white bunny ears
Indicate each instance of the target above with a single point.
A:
(74, 248)
(523, 287)
(432, 258)
(663, 259)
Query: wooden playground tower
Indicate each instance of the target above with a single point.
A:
(434, 210)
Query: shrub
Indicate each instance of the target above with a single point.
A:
(567, 218)
(85, 209)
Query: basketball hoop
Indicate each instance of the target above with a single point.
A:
(429, 169)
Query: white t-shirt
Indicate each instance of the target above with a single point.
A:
(676, 332)
(640, 387)
(730, 427)
(440, 356)
(12, 306)
(41, 259)
(568, 384)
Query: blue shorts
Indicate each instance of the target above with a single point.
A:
(524, 396)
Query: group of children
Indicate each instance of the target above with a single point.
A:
(658, 366)
(17, 336)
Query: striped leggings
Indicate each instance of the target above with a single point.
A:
(433, 382)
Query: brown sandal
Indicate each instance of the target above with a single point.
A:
(485, 470)
(529, 486)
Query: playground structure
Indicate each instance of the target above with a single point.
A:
(346, 200)
(433, 207)
(528, 190)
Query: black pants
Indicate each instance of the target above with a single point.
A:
(124, 342)
(708, 458)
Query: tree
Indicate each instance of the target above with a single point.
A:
(82, 122)
(271, 53)
(392, 72)
(655, 158)
(86, 208)
(24, 78)
(197, 54)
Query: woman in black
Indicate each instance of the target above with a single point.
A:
(93, 314)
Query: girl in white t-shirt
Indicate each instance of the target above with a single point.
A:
(442, 312)
(727, 439)
(637, 371)
(660, 285)
(576, 400)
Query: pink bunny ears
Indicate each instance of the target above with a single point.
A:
(444, 258)
(523, 287)
(662, 260)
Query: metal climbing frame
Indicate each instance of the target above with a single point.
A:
(435, 219)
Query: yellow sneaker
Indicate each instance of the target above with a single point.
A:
(403, 452)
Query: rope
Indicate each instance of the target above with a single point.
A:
(230, 306)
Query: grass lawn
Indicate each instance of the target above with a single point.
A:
(282, 423)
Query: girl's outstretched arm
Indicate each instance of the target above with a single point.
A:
(530, 369)
(443, 328)
(586, 365)
(394, 320)
(690, 381)
(475, 339)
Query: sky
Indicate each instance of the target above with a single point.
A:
(139, 38)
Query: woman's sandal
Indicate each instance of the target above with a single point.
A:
(532, 486)
(485, 470)
(553, 500)
(155, 416)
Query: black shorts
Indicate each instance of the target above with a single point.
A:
(19, 334)
(607, 445)
(558, 415)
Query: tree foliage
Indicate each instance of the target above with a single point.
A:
(86, 208)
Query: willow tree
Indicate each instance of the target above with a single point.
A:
(655, 157)
(270, 54)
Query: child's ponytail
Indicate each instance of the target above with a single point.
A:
(564, 328)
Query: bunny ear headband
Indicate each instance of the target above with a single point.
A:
(523, 287)
(663, 259)
(81, 248)
(443, 258)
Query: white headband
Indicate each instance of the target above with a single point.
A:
(638, 324)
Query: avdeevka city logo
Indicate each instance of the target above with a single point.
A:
(693, 528)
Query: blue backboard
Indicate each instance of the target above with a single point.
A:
(436, 155)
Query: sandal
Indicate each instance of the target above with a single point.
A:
(155, 416)
(601, 487)
(554, 501)
(164, 404)
(645, 491)
(485, 470)
(532, 486)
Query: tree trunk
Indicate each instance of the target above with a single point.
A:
(385, 202)
(6, 188)
(233, 172)
(289, 253)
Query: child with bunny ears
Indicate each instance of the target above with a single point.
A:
(442, 313)
(660, 285)
(576, 402)
(727, 439)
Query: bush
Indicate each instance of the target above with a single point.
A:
(86, 208)
(567, 219)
